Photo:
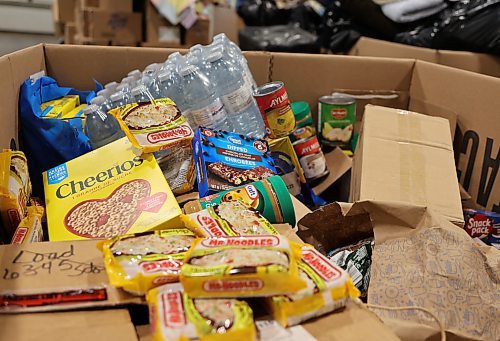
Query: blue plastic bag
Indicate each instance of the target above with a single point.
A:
(48, 142)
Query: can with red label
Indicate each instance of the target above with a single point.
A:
(311, 159)
(275, 109)
(336, 118)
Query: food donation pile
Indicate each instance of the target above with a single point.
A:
(199, 124)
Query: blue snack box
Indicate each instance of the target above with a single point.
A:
(225, 160)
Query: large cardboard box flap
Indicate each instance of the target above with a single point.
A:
(56, 276)
(408, 157)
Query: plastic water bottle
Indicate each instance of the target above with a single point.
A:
(205, 108)
(236, 95)
(119, 99)
(141, 94)
(168, 86)
(149, 73)
(135, 74)
(104, 93)
(100, 128)
(101, 102)
(111, 86)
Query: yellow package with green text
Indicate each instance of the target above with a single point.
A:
(139, 262)
(176, 316)
(230, 218)
(328, 288)
(154, 126)
(252, 266)
(57, 108)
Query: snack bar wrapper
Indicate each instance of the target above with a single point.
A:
(139, 262)
(30, 229)
(176, 316)
(328, 288)
(253, 266)
(155, 125)
(231, 218)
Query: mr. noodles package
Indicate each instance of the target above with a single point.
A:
(139, 262)
(328, 288)
(153, 126)
(230, 218)
(253, 266)
(176, 316)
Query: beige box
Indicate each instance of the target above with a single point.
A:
(406, 157)
(109, 25)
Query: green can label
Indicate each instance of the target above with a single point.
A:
(336, 117)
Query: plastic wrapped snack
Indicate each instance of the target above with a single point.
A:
(30, 228)
(253, 266)
(155, 125)
(177, 165)
(15, 190)
(176, 316)
(139, 262)
(328, 288)
(230, 218)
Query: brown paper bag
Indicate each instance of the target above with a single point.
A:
(422, 260)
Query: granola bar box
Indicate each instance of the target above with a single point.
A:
(225, 160)
(108, 192)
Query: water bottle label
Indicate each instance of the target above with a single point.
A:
(210, 116)
(238, 101)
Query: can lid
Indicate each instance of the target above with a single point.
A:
(284, 198)
(300, 110)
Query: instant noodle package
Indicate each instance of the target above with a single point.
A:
(139, 262)
(328, 288)
(229, 218)
(15, 189)
(176, 316)
(30, 228)
(108, 192)
(252, 266)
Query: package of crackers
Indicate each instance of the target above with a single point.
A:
(225, 160)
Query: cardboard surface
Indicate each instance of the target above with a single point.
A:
(159, 29)
(47, 269)
(407, 157)
(75, 326)
(110, 25)
(199, 33)
(63, 11)
(338, 164)
(476, 62)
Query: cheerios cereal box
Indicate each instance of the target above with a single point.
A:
(108, 192)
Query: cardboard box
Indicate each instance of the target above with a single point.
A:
(63, 11)
(199, 33)
(116, 5)
(78, 325)
(473, 98)
(406, 157)
(69, 33)
(109, 25)
(226, 20)
(476, 62)
(159, 29)
(56, 276)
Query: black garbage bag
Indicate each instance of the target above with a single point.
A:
(263, 13)
(281, 38)
(469, 25)
(306, 17)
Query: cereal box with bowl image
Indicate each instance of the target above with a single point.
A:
(225, 160)
(155, 125)
(15, 190)
(108, 192)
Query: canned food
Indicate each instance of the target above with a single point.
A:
(302, 133)
(311, 158)
(336, 117)
(275, 109)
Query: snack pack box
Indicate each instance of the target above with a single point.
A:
(15, 190)
(252, 266)
(328, 288)
(225, 160)
(484, 225)
(230, 218)
(30, 229)
(153, 126)
(108, 192)
(141, 261)
(176, 316)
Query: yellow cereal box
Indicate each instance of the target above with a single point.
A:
(15, 189)
(108, 192)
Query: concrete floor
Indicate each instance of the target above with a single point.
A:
(10, 42)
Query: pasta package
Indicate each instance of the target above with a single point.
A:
(253, 266)
(15, 189)
(108, 192)
(153, 126)
(30, 229)
(230, 218)
(139, 262)
(57, 108)
(176, 316)
(328, 288)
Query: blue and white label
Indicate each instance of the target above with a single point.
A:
(57, 174)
